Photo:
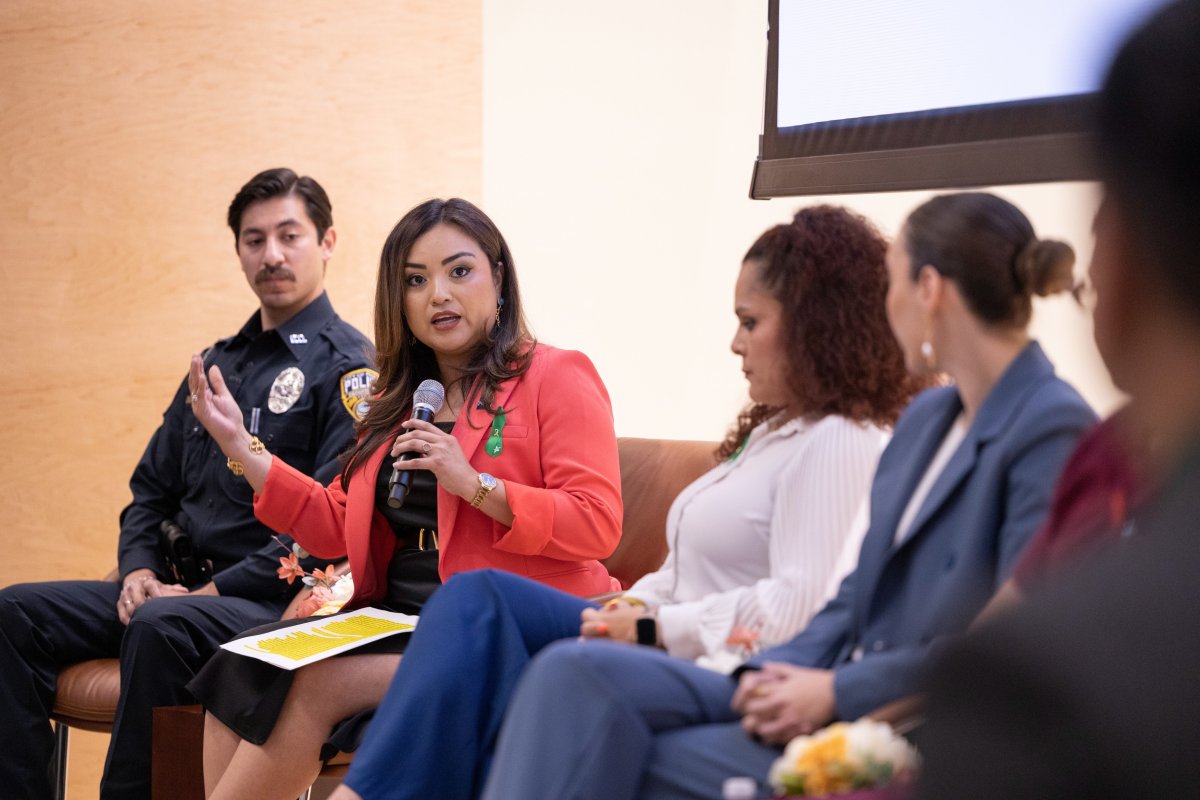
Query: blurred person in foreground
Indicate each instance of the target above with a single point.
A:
(1090, 689)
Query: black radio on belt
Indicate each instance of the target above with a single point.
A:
(185, 567)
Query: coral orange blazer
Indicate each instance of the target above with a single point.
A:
(559, 466)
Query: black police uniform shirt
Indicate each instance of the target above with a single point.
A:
(301, 387)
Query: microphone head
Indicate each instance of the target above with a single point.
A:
(430, 393)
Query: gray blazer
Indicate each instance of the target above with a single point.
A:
(902, 600)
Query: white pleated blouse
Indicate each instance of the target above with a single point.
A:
(761, 541)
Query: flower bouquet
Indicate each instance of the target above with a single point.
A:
(844, 757)
(328, 591)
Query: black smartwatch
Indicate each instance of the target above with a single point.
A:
(647, 631)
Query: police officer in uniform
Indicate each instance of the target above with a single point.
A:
(301, 376)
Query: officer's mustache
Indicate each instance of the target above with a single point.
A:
(274, 274)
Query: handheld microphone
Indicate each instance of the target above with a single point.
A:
(427, 402)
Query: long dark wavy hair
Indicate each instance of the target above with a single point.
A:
(827, 269)
(403, 361)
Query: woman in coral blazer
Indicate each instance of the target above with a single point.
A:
(558, 463)
(517, 470)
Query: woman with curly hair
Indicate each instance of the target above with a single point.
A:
(756, 545)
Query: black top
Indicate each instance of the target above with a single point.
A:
(419, 511)
(300, 387)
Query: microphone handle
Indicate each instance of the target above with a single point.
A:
(401, 480)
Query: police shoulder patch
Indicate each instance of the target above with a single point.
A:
(356, 389)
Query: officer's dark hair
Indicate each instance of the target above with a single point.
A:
(1149, 144)
(281, 182)
(404, 362)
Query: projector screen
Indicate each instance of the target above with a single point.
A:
(882, 95)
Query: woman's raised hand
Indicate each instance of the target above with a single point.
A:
(213, 405)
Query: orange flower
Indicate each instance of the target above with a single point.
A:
(324, 577)
(289, 568)
(744, 638)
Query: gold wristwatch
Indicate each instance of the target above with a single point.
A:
(486, 484)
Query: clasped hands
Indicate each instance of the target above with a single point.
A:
(143, 585)
(782, 701)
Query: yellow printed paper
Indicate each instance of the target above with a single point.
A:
(317, 639)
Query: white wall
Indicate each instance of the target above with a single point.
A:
(618, 141)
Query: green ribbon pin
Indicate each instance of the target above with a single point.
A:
(495, 442)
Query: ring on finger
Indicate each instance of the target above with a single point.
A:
(426, 447)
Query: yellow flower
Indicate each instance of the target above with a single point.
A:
(841, 758)
(822, 766)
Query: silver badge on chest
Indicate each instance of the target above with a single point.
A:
(286, 389)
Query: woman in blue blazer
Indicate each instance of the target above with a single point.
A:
(960, 489)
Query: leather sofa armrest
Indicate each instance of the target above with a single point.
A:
(653, 472)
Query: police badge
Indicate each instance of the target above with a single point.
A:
(286, 389)
(356, 389)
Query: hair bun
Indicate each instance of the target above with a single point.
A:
(1045, 267)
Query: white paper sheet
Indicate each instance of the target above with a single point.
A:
(321, 637)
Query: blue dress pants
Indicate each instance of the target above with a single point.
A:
(45, 627)
(436, 728)
(608, 721)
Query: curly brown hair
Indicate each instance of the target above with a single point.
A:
(827, 269)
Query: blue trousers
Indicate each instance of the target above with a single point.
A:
(436, 728)
(610, 721)
(566, 734)
(47, 626)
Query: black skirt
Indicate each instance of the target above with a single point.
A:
(247, 694)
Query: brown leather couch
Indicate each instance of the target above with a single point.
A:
(653, 471)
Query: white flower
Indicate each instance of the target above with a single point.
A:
(842, 757)
(341, 591)
(875, 741)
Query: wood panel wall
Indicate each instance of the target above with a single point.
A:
(125, 130)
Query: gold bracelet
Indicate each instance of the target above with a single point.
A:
(237, 467)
